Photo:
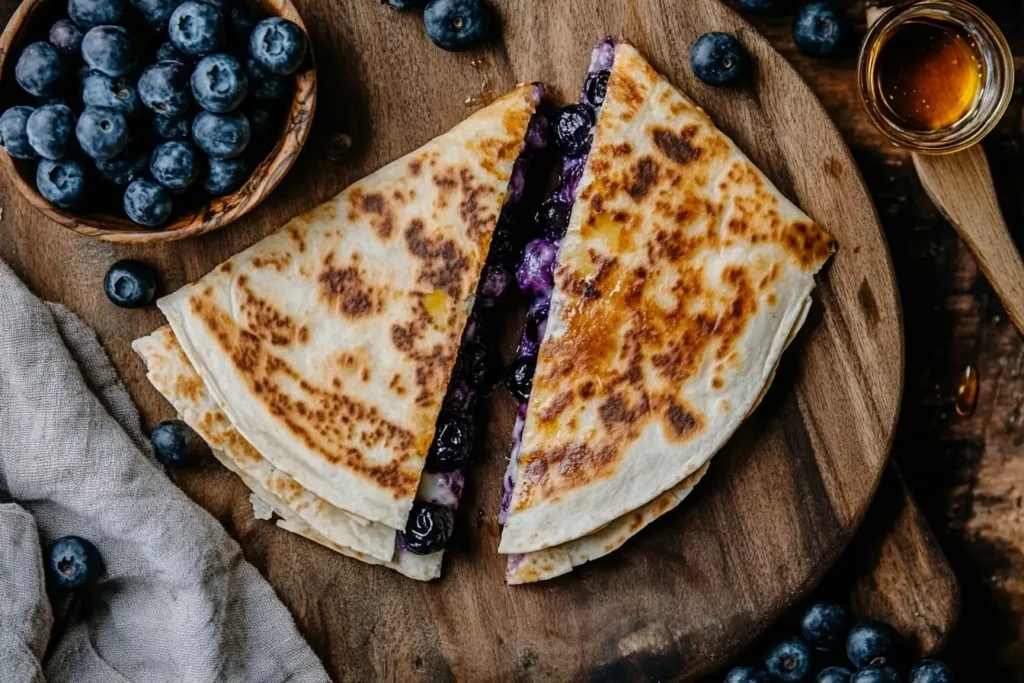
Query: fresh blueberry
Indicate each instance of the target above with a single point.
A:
(519, 377)
(261, 122)
(538, 132)
(50, 130)
(147, 202)
(240, 26)
(174, 443)
(553, 218)
(596, 87)
(67, 38)
(718, 58)
(789, 661)
(278, 45)
(74, 563)
(13, 137)
(535, 273)
(823, 625)
(457, 24)
(877, 674)
(119, 94)
(872, 642)
(164, 88)
(130, 284)
(477, 365)
(758, 6)
(196, 28)
(931, 671)
(819, 29)
(156, 12)
(402, 4)
(428, 528)
(168, 53)
(38, 69)
(746, 674)
(110, 49)
(89, 13)
(127, 166)
(224, 176)
(61, 182)
(222, 136)
(452, 445)
(175, 165)
(265, 86)
(834, 674)
(102, 132)
(574, 129)
(219, 83)
(172, 127)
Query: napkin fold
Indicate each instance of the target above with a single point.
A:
(177, 601)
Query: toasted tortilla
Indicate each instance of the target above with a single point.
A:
(329, 344)
(683, 275)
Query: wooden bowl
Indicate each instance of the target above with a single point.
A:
(31, 21)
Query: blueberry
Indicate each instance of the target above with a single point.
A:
(871, 642)
(61, 182)
(596, 87)
(553, 218)
(931, 671)
(718, 58)
(172, 127)
(452, 445)
(167, 52)
(428, 528)
(834, 674)
(74, 563)
(222, 136)
(224, 176)
(746, 674)
(119, 94)
(477, 365)
(219, 83)
(102, 133)
(402, 4)
(196, 28)
(127, 166)
(265, 86)
(790, 660)
(110, 49)
(89, 13)
(155, 12)
(164, 88)
(38, 69)
(175, 165)
(67, 38)
(174, 443)
(278, 45)
(147, 202)
(823, 625)
(240, 26)
(877, 674)
(459, 397)
(758, 6)
(130, 284)
(538, 132)
(13, 137)
(223, 6)
(574, 129)
(457, 24)
(519, 377)
(493, 284)
(50, 130)
(535, 272)
(819, 29)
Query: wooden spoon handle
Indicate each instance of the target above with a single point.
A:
(960, 184)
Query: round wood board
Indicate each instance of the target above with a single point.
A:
(780, 501)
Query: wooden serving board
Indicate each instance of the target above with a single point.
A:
(780, 501)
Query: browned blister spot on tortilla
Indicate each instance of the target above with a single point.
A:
(347, 289)
(679, 146)
(645, 173)
(277, 260)
(297, 234)
(379, 210)
(808, 243)
(442, 265)
(189, 387)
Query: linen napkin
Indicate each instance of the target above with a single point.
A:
(177, 601)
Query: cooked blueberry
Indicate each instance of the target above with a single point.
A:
(452, 445)
(265, 86)
(61, 182)
(74, 563)
(819, 29)
(219, 83)
(222, 136)
(872, 642)
(459, 397)
(746, 674)
(67, 38)
(834, 674)
(596, 87)
(224, 176)
(877, 674)
(574, 129)
(147, 203)
(538, 132)
(175, 165)
(519, 377)
(172, 127)
(517, 183)
(89, 13)
(119, 94)
(174, 443)
(553, 218)
(477, 365)
(758, 6)
(402, 4)
(428, 528)
(110, 49)
(167, 52)
(102, 132)
(278, 45)
(240, 26)
(569, 177)
(164, 88)
(196, 28)
(493, 284)
(823, 625)
(788, 661)
(535, 273)
(457, 24)
(38, 69)
(156, 12)
(50, 130)
(13, 137)
(127, 166)
(931, 671)
(718, 58)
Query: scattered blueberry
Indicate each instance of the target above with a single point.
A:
(127, 166)
(428, 528)
(120, 94)
(871, 642)
(67, 38)
(89, 13)
(155, 12)
(278, 45)
(221, 135)
(174, 443)
(535, 272)
(130, 284)
(265, 86)
(819, 29)
(172, 127)
(167, 52)
(224, 176)
(574, 129)
(74, 563)
(746, 674)
(38, 69)
(50, 129)
(13, 137)
(457, 24)
(147, 202)
(102, 132)
(789, 661)
(493, 284)
(452, 445)
(219, 83)
(823, 625)
(240, 26)
(931, 671)
(164, 88)
(834, 674)
(596, 87)
(877, 674)
(718, 58)
(196, 28)
(758, 6)
(110, 49)
(175, 165)
(553, 218)
(519, 378)
(61, 182)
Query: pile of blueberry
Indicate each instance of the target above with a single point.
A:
(828, 650)
(452, 24)
(146, 99)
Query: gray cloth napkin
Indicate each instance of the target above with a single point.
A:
(177, 601)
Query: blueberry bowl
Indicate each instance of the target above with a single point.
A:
(152, 133)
